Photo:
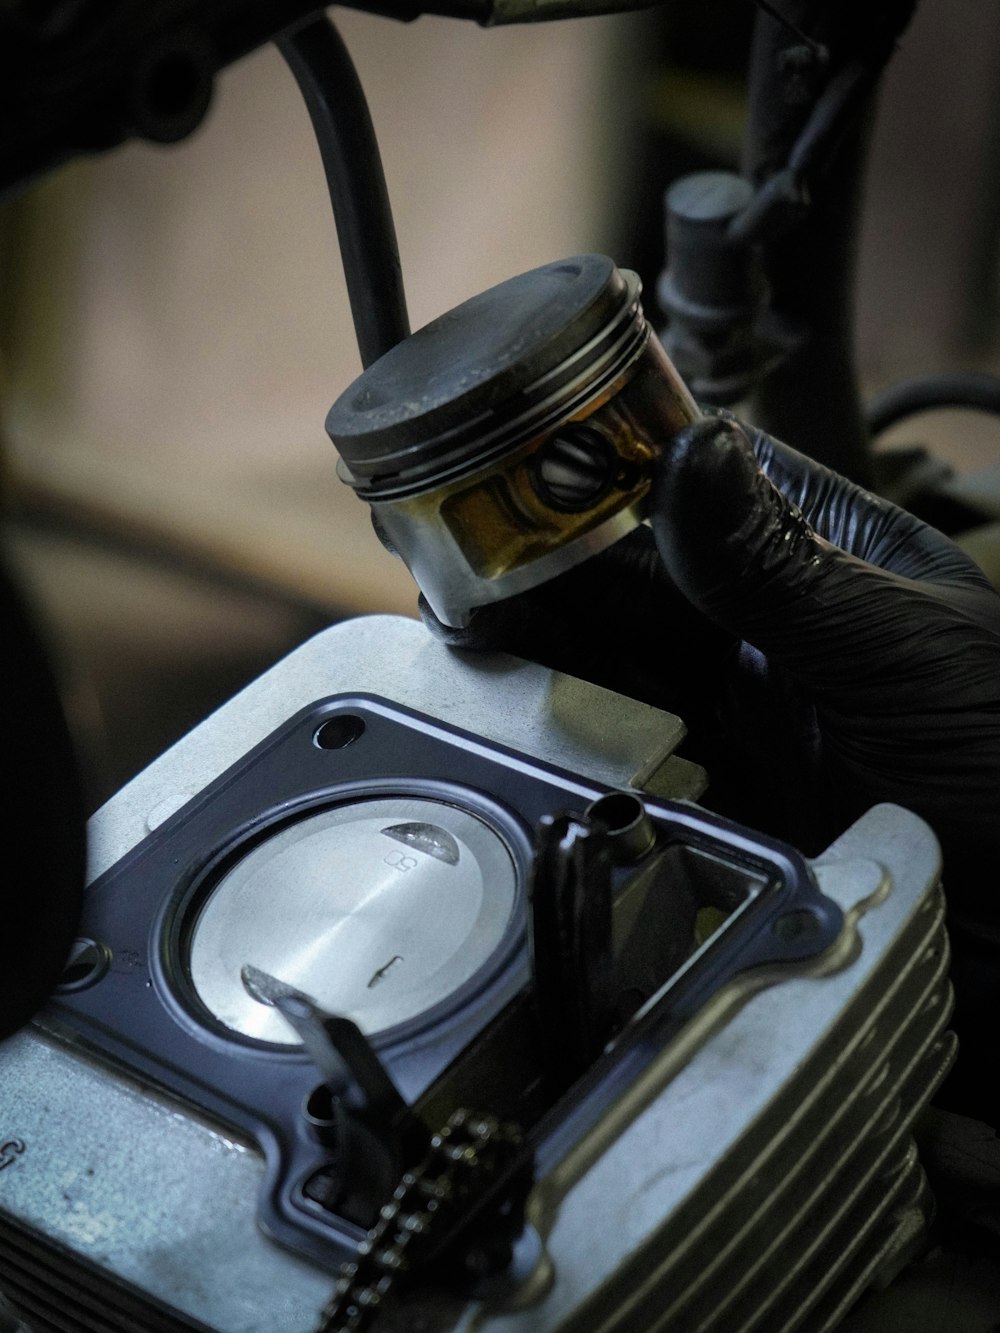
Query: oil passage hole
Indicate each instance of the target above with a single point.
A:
(339, 732)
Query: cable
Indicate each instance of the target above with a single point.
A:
(784, 196)
(329, 83)
(973, 390)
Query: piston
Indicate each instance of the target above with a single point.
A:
(514, 436)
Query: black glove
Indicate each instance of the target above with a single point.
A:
(827, 649)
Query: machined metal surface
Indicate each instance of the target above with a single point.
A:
(515, 435)
(379, 910)
(170, 1215)
(565, 721)
(762, 1175)
(490, 374)
(757, 1175)
(117, 1185)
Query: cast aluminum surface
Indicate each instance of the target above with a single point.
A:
(568, 722)
(161, 1219)
(455, 588)
(762, 1174)
(758, 1176)
(139, 1186)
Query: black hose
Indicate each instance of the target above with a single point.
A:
(328, 81)
(976, 391)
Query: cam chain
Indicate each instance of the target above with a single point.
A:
(461, 1159)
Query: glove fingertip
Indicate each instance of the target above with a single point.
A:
(707, 483)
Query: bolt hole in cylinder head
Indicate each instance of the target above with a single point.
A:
(88, 962)
(339, 732)
(514, 436)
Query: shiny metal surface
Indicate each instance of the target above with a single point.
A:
(132, 1197)
(760, 1174)
(482, 538)
(379, 909)
(567, 722)
(152, 1195)
(514, 436)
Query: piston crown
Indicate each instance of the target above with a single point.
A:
(481, 378)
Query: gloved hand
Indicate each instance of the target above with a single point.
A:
(827, 649)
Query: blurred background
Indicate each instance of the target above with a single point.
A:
(174, 321)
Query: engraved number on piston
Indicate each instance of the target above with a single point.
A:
(10, 1151)
(400, 861)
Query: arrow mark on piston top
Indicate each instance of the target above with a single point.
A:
(381, 973)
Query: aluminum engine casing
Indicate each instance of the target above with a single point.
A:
(758, 1174)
